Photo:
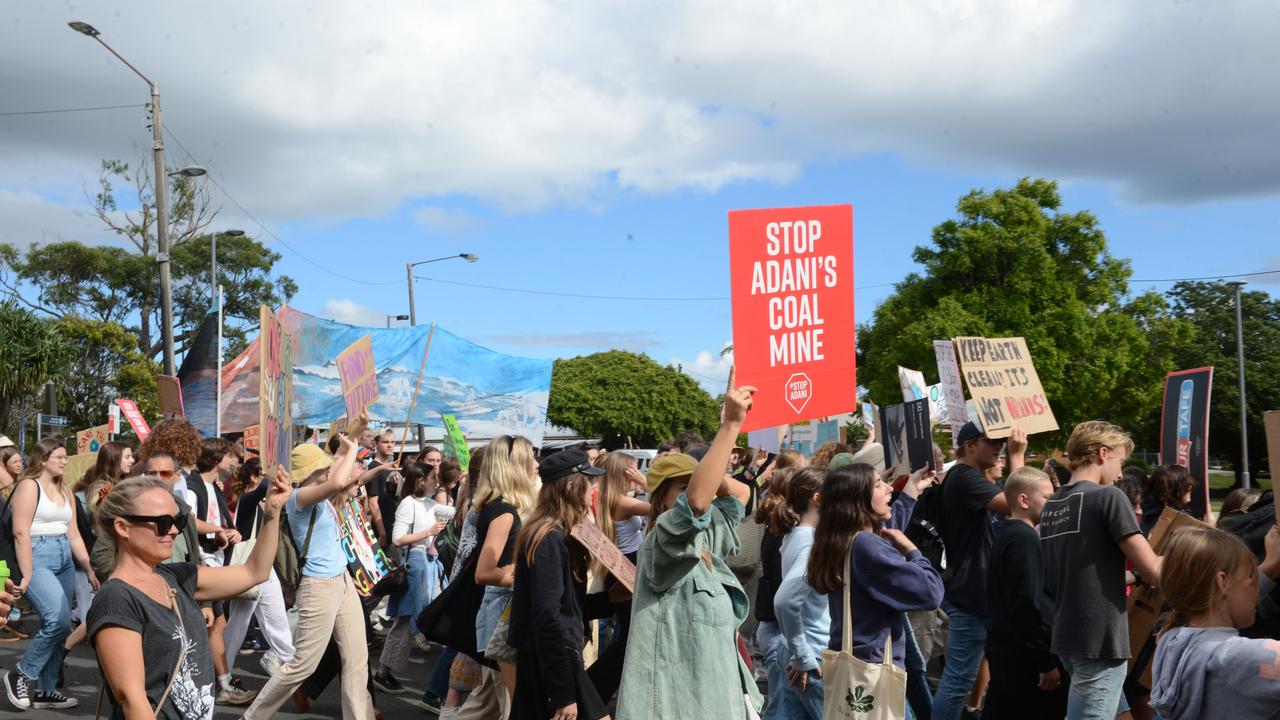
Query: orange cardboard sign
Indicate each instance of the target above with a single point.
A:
(359, 376)
(791, 273)
(169, 393)
(90, 439)
(252, 438)
(602, 549)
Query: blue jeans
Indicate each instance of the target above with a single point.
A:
(785, 701)
(49, 592)
(1097, 687)
(438, 683)
(919, 699)
(965, 646)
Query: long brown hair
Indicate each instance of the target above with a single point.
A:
(1192, 560)
(846, 510)
(772, 510)
(39, 454)
(613, 484)
(561, 504)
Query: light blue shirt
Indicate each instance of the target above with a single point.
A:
(325, 558)
(803, 613)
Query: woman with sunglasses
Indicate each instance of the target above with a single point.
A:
(146, 622)
(47, 540)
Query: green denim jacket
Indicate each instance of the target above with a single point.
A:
(682, 650)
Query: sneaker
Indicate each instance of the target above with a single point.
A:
(421, 641)
(52, 700)
(16, 686)
(430, 703)
(270, 664)
(235, 694)
(387, 683)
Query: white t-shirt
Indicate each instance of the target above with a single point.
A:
(414, 515)
(213, 517)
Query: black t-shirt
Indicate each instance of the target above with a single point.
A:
(1080, 530)
(967, 532)
(119, 604)
(770, 575)
(1021, 611)
(494, 509)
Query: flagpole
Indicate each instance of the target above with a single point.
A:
(217, 423)
(414, 401)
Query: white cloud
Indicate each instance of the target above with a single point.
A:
(710, 369)
(449, 222)
(335, 110)
(353, 313)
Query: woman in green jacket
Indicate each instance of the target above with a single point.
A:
(682, 654)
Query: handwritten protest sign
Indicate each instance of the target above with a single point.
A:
(952, 388)
(169, 394)
(77, 466)
(1005, 387)
(455, 444)
(791, 274)
(1272, 421)
(1146, 603)
(359, 376)
(275, 392)
(134, 416)
(252, 439)
(607, 553)
(367, 563)
(90, 439)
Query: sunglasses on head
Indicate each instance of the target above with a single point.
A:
(163, 523)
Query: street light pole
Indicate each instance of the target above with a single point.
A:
(162, 199)
(1244, 418)
(408, 269)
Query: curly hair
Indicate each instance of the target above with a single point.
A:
(177, 437)
(822, 456)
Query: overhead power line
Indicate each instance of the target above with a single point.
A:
(69, 110)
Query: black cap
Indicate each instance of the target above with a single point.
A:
(969, 431)
(565, 463)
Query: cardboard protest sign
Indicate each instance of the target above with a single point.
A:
(134, 416)
(908, 443)
(1146, 603)
(871, 418)
(1184, 429)
(359, 376)
(912, 384)
(791, 275)
(169, 394)
(607, 553)
(1004, 385)
(366, 561)
(90, 439)
(952, 388)
(77, 466)
(1272, 421)
(275, 392)
(455, 444)
(252, 439)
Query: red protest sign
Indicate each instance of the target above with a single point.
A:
(134, 416)
(359, 376)
(791, 273)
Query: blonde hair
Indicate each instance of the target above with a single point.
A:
(613, 484)
(1192, 560)
(1023, 480)
(506, 474)
(790, 459)
(120, 502)
(1088, 438)
(385, 434)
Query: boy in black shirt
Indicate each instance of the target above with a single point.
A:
(1025, 679)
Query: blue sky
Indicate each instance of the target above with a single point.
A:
(594, 148)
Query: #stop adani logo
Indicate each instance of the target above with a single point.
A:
(791, 271)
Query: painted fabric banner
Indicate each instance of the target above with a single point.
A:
(488, 392)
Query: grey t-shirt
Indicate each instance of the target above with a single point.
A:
(1080, 530)
(121, 605)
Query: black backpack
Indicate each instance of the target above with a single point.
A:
(925, 527)
(1252, 526)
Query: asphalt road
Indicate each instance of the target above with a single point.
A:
(83, 681)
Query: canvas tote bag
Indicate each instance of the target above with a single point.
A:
(857, 690)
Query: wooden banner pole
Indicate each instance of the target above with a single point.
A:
(414, 401)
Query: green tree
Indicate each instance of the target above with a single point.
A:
(32, 352)
(106, 365)
(1013, 263)
(619, 395)
(1209, 307)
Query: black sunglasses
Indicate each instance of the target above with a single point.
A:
(163, 523)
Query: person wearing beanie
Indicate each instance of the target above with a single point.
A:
(327, 601)
(682, 655)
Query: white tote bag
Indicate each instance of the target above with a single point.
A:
(857, 690)
(240, 553)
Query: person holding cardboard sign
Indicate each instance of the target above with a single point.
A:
(674, 667)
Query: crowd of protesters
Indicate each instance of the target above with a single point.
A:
(989, 587)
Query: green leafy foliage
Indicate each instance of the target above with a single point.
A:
(1013, 263)
(107, 365)
(32, 352)
(619, 395)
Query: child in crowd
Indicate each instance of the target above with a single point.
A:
(1203, 668)
(1025, 679)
